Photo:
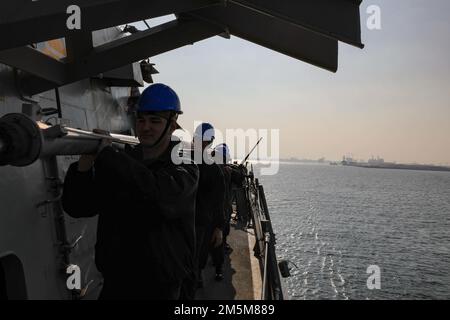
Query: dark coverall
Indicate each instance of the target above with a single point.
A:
(227, 204)
(209, 212)
(238, 177)
(146, 209)
(208, 216)
(232, 176)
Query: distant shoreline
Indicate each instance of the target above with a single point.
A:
(387, 165)
(421, 167)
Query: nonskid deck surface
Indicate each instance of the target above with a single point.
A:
(242, 275)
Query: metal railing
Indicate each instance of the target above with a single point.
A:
(264, 248)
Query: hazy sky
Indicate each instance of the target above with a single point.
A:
(391, 99)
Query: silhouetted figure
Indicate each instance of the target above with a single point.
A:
(145, 205)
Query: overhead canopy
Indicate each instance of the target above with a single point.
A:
(308, 30)
(337, 19)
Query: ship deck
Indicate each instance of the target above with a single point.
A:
(242, 275)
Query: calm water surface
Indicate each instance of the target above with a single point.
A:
(333, 222)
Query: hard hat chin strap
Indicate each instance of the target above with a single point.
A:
(169, 121)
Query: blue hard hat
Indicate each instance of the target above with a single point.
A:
(157, 98)
(205, 131)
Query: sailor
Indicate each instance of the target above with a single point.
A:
(210, 202)
(221, 155)
(145, 205)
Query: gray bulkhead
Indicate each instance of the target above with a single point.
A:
(31, 229)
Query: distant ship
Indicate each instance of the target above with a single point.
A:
(379, 163)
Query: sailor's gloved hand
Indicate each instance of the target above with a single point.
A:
(105, 142)
(217, 237)
(86, 161)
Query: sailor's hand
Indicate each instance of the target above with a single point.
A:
(217, 237)
(86, 161)
(105, 142)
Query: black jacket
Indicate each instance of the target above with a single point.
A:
(232, 176)
(227, 175)
(210, 197)
(146, 213)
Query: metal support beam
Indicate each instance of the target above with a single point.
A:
(78, 45)
(23, 22)
(36, 63)
(31, 85)
(21, 10)
(149, 43)
(166, 37)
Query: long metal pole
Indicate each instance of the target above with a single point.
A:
(248, 155)
(119, 138)
(23, 140)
